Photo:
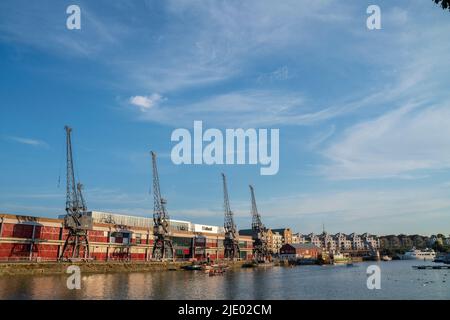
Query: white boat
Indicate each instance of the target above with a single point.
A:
(339, 258)
(414, 254)
(386, 258)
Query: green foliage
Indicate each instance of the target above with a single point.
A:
(392, 252)
(445, 4)
(439, 247)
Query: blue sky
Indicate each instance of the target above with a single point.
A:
(364, 116)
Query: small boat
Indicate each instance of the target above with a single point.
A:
(193, 267)
(216, 272)
(250, 265)
(214, 268)
(265, 264)
(386, 258)
(339, 258)
(440, 258)
(206, 267)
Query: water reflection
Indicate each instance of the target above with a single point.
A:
(399, 281)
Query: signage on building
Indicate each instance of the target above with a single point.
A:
(205, 228)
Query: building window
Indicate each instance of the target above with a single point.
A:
(182, 242)
(138, 238)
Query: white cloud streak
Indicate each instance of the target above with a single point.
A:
(398, 143)
(246, 108)
(381, 210)
(28, 141)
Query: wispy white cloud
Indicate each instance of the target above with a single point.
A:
(398, 143)
(321, 137)
(279, 74)
(207, 61)
(405, 136)
(358, 210)
(236, 34)
(205, 42)
(20, 21)
(409, 210)
(246, 108)
(404, 76)
(27, 141)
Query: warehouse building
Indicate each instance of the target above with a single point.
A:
(114, 237)
(296, 251)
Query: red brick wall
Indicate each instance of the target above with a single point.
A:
(287, 249)
(311, 252)
(11, 230)
(45, 251)
(12, 250)
(99, 256)
(97, 236)
(138, 256)
(47, 233)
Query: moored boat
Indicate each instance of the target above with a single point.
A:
(214, 268)
(252, 264)
(443, 257)
(414, 254)
(193, 267)
(339, 258)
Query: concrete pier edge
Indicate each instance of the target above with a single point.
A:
(51, 268)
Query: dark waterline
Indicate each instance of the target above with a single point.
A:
(398, 281)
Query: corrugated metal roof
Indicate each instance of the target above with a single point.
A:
(137, 221)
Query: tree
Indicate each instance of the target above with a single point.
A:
(440, 247)
(445, 4)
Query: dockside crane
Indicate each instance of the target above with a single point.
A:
(259, 232)
(231, 242)
(76, 245)
(163, 246)
(83, 203)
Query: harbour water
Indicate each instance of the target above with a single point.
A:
(398, 281)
